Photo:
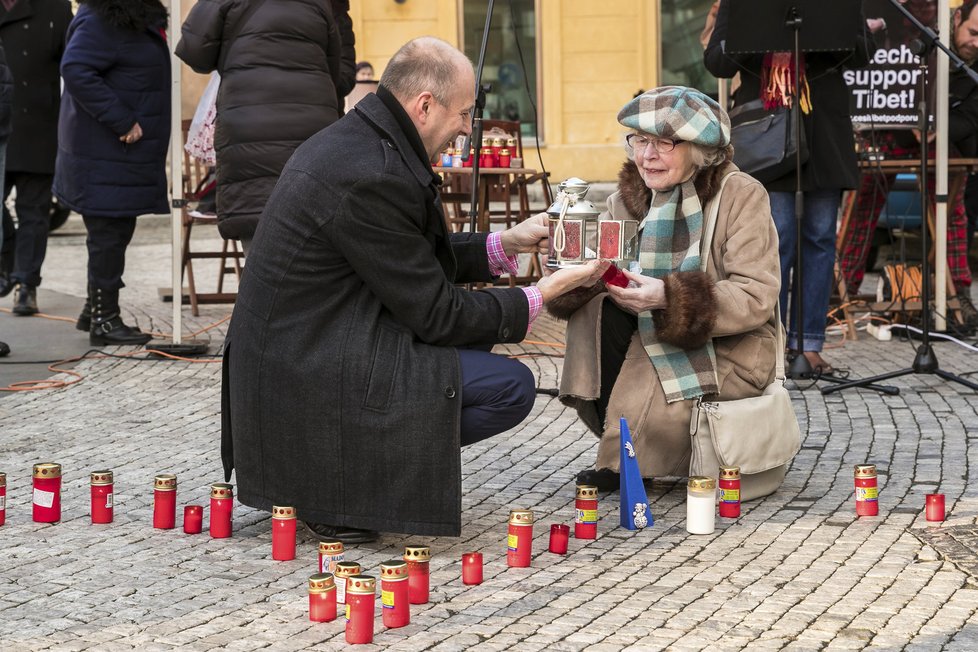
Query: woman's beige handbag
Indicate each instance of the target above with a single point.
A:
(759, 434)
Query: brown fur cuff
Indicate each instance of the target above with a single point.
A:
(691, 311)
(567, 304)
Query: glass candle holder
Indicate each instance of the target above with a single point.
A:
(472, 568)
(559, 534)
(934, 509)
(360, 600)
(193, 519)
(283, 533)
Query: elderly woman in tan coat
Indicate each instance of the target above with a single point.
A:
(649, 351)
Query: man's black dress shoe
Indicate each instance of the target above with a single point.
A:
(344, 534)
(4, 349)
(603, 479)
(25, 301)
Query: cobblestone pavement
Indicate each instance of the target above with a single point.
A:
(797, 570)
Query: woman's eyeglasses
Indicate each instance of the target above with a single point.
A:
(639, 142)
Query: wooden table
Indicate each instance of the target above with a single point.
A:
(494, 183)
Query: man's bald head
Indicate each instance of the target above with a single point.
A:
(426, 64)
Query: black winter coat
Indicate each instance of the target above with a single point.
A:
(828, 128)
(115, 76)
(6, 99)
(283, 78)
(341, 387)
(33, 34)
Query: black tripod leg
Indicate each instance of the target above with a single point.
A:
(863, 382)
(886, 389)
(947, 375)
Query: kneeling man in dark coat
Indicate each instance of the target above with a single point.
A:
(355, 367)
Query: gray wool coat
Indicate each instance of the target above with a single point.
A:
(341, 390)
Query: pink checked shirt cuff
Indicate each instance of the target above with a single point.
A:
(500, 263)
(535, 298)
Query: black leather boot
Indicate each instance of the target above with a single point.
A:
(84, 322)
(25, 301)
(107, 325)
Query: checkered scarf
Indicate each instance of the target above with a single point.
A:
(672, 230)
(670, 242)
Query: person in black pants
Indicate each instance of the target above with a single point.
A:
(33, 33)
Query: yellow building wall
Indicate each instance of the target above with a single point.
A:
(593, 57)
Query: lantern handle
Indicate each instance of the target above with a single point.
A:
(565, 200)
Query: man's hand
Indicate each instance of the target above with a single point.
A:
(643, 293)
(532, 235)
(569, 278)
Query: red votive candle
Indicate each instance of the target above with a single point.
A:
(935, 507)
(867, 492)
(330, 553)
(394, 593)
(417, 558)
(472, 568)
(193, 519)
(322, 598)
(101, 482)
(3, 498)
(559, 533)
(222, 504)
(283, 533)
(47, 492)
(164, 501)
(614, 276)
(586, 508)
(344, 571)
(730, 491)
(361, 595)
(519, 539)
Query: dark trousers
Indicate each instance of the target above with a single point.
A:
(107, 240)
(617, 328)
(28, 245)
(497, 394)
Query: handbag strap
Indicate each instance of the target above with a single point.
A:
(231, 35)
(709, 227)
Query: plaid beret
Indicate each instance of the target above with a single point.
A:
(678, 113)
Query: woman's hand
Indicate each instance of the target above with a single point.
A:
(566, 279)
(643, 293)
(132, 135)
(529, 236)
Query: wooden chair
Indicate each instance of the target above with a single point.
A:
(194, 171)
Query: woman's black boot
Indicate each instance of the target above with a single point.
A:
(107, 325)
(84, 322)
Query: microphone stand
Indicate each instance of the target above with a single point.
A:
(480, 104)
(925, 361)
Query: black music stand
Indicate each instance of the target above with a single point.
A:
(796, 26)
(925, 361)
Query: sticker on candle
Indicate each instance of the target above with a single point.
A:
(511, 541)
(347, 613)
(43, 498)
(587, 516)
(867, 493)
(341, 595)
(387, 599)
(108, 501)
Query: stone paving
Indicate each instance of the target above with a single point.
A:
(797, 570)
